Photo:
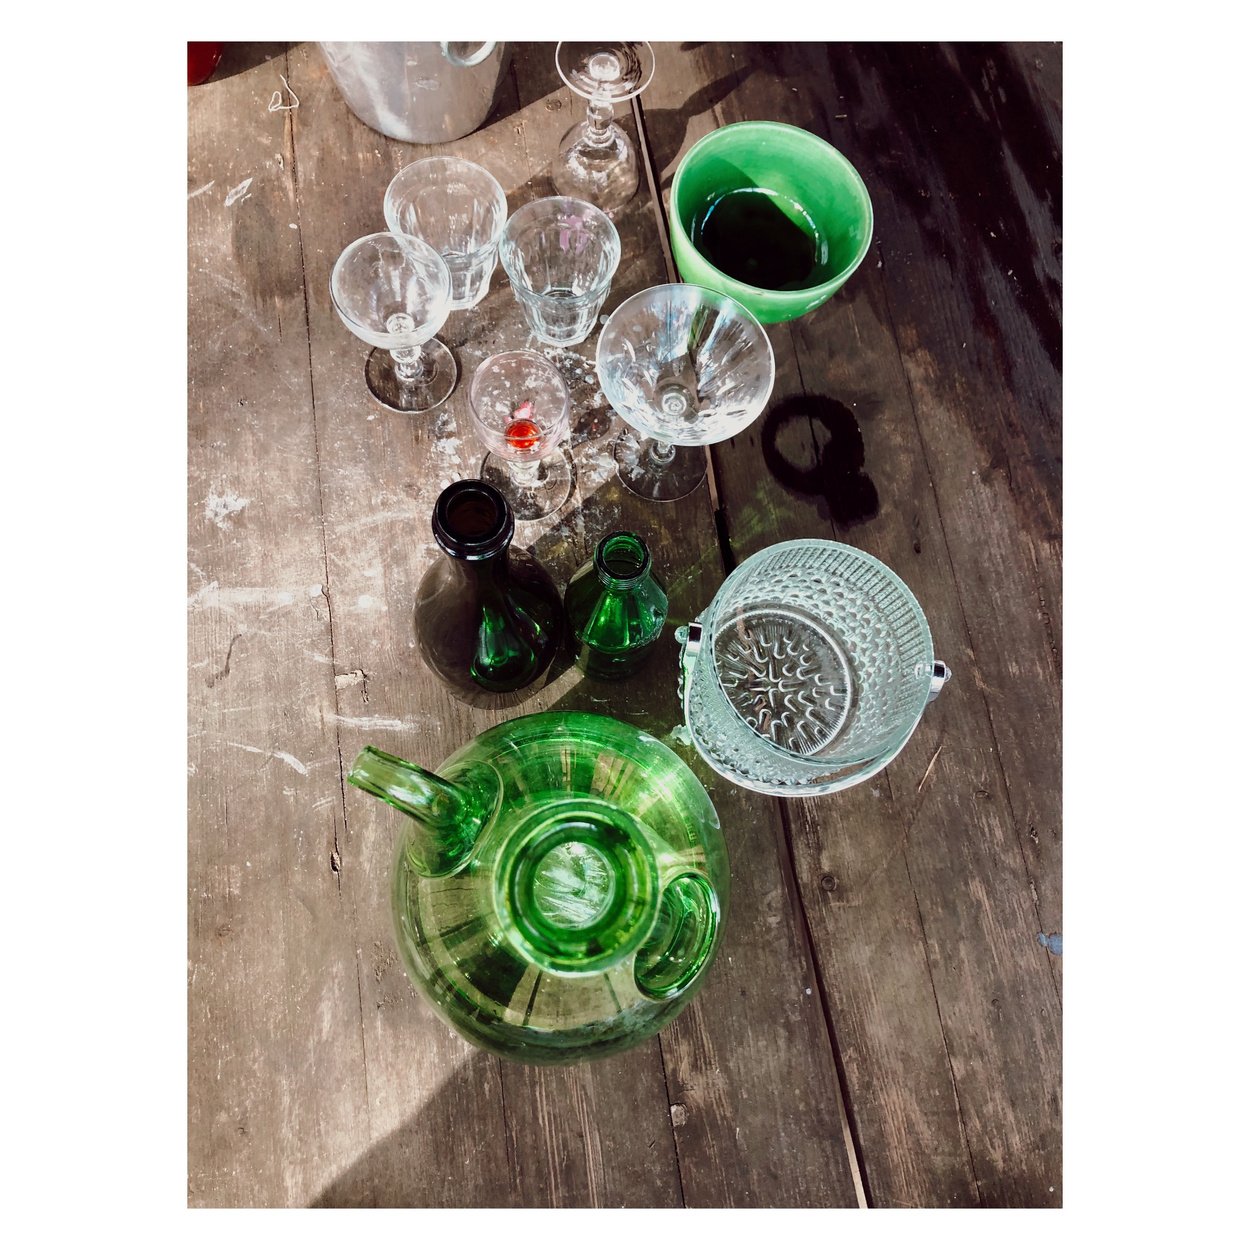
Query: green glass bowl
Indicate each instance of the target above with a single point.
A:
(771, 215)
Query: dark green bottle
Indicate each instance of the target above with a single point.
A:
(488, 619)
(616, 607)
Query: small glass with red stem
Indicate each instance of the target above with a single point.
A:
(520, 406)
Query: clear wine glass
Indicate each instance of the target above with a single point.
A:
(684, 367)
(596, 160)
(394, 291)
(520, 407)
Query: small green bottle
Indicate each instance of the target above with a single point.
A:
(616, 607)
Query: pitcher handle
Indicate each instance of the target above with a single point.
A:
(467, 62)
(683, 939)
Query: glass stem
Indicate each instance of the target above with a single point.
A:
(661, 453)
(412, 364)
(598, 120)
(526, 472)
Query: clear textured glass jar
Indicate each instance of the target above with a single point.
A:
(616, 607)
(488, 618)
(560, 886)
(808, 671)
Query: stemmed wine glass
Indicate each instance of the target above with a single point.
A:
(394, 291)
(684, 367)
(596, 160)
(520, 407)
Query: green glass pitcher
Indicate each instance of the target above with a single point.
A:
(560, 886)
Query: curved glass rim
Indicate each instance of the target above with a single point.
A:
(646, 58)
(439, 307)
(638, 417)
(708, 619)
(533, 208)
(494, 438)
(398, 185)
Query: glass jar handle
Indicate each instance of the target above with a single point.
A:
(690, 639)
(467, 62)
(941, 675)
(682, 940)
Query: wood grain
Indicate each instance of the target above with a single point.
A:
(882, 1025)
(922, 903)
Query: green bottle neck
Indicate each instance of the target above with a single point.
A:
(622, 561)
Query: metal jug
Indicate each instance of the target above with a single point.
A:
(418, 92)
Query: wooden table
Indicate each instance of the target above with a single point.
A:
(882, 1026)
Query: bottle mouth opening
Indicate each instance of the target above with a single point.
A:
(472, 520)
(580, 887)
(621, 558)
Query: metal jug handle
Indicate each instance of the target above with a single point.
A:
(690, 639)
(467, 62)
(941, 675)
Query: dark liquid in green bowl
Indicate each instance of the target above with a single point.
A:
(763, 239)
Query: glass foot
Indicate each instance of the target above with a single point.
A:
(531, 500)
(652, 475)
(399, 395)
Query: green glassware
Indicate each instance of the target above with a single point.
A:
(770, 215)
(616, 607)
(560, 887)
(488, 619)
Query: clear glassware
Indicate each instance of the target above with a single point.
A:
(459, 209)
(560, 255)
(808, 671)
(520, 407)
(394, 291)
(684, 367)
(534, 908)
(596, 160)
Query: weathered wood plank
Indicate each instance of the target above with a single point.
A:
(916, 888)
(275, 1079)
(935, 1007)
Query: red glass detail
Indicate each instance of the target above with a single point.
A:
(202, 59)
(522, 434)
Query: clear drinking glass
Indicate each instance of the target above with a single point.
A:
(458, 208)
(520, 407)
(560, 255)
(393, 291)
(684, 367)
(809, 670)
(596, 160)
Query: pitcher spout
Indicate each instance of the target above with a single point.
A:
(448, 815)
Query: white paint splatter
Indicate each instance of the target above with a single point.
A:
(219, 507)
(379, 722)
(200, 190)
(213, 596)
(238, 193)
(279, 755)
